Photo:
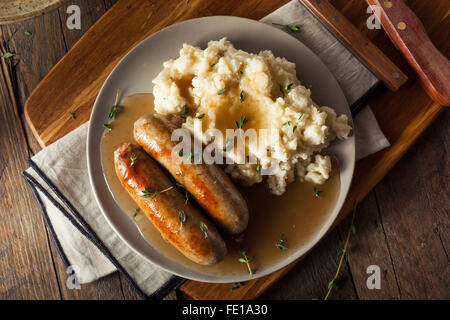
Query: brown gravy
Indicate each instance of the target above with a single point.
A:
(298, 214)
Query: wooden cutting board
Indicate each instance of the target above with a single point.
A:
(72, 85)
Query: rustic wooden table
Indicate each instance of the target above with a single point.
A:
(402, 225)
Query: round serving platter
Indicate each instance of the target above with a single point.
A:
(133, 75)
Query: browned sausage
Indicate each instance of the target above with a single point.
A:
(209, 184)
(144, 180)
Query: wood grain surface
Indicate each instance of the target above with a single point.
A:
(402, 225)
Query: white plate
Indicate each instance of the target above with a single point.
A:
(134, 74)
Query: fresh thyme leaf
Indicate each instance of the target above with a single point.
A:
(317, 192)
(204, 229)
(184, 112)
(293, 129)
(201, 116)
(72, 115)
(332, 283)
(180, 153)
(8, 55)
(281, 90)
(149, 192)
(186, 193)
(288, 87)
(221, 91)
(107, 126)
(258, 168)
(242, 95)
(241, 122)
(289, 27)
(27, 33)
(281, 243)
(236, 285)
(245, 259)
(353, 228)
(113, 110)
(241, 72)
(301, 117)
(292, 28)
(287, 123)
(181, 218)
(136, 212)
(133, 159)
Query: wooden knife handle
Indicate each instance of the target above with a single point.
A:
(368, 53)
(408, 33)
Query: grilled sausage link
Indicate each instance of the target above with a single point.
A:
(209, 184)
(162, 203)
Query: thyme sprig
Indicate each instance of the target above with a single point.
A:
(236, 285)
(8, 55)
(317, 192)
(281, 243)
(184, 112)
(288, 27)
(181, 218)
(153, 193)
(242, 96)
(204, 228)
(133, 159)
(246, 259)
(241, 122)
(115, 107)
(220, 92)
(136, 212)
(343, 253)
(186, 193)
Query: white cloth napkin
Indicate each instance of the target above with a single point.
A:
(64, 162)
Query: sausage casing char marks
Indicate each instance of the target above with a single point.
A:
(163, 208)
(208, 183)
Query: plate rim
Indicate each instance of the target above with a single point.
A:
(326, 227)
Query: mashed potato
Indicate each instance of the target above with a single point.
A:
(221, 87)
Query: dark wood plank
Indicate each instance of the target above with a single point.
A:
(53, 46)
(312, 275)
(417, 227)
(369, 246)
(26, 268)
